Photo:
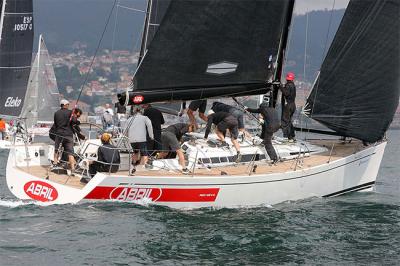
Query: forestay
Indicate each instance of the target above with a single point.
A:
(357, 91)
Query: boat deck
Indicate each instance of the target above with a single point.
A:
(336, 150)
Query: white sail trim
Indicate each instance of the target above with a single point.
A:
(222, 68)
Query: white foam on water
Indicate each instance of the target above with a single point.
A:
(15, 204)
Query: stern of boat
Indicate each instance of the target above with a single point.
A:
(27, 183)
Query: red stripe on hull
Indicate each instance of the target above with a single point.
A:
(155, 194)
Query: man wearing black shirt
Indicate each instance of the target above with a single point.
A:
(271, 125)
(63, 121)
(120, 110)
(76, 126)
(224, 121)
(157, 119)
(222, 107)
(108, 158)
(289, 107)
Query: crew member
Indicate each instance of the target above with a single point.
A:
(121, 111)
(76, 126)
(171, 142)
(63, 131)
(2, 128)
(138, 126)
(200, 106)
(157, 119)
(224, 121)
(108, 158)
(271, 125)
(289, 107)
(237, 113)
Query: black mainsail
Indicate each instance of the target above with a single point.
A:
(210, 48)
(357, 91)
(16, 42)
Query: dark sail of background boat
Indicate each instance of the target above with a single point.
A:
(201, 50)
(16, 43)
(357, 91)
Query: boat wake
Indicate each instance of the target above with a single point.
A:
(18, 203)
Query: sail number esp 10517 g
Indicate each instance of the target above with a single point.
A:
(25, 25)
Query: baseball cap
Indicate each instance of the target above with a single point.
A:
(64, 102)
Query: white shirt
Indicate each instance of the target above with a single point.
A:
(110, 111)
(138, 125)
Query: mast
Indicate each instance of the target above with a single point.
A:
(36, 90)
(145, 31)
(282, 50)
(3, 7)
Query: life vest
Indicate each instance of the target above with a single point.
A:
(2, 126)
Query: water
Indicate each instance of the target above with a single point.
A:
(360, 228)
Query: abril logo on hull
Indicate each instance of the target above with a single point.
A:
(11, 102)
(134, 194)
(40, 191)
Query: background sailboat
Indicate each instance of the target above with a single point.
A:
(42, 96)
(16, 40)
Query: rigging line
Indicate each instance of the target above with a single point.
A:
(95, 54)
(305, 47)
(304, 66)
(114, 32)
(324, 55)
(115, 27)
(132, 9)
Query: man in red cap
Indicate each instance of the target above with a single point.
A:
(289, 107)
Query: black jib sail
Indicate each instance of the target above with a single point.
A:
(357, 91)
(16, 41)
(211, 48)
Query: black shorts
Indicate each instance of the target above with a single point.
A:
(66, 142)
(140, 147)
(200, 105)
(230, 123)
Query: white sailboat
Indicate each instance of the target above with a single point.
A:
(41, 100)
(16, 40)
(214, 31)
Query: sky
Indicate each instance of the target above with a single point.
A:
(302, 6)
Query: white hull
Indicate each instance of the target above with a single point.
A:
(5, 144)
(8, 144)
(357, 171)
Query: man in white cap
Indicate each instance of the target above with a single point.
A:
(63, 130)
